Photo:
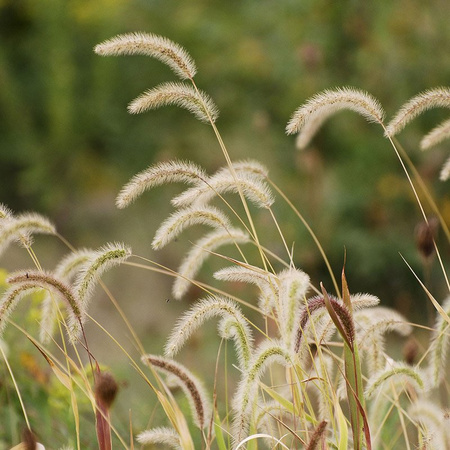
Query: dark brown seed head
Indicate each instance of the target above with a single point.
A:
(105, 388)
(29, 439)
(426, 234)
(410, 351)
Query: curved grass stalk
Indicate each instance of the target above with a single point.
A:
(311, 233)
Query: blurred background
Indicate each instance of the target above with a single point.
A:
(68, 144)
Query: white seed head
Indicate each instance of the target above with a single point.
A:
(99, 262)
(445, 171)
(433, 98)
(187, 217)
(253, 188)
(178, 94)
(148, 44)
(436, 135)
(158, 174)
(321, 106)
(21, 228)
(160, 435)
(202, 311)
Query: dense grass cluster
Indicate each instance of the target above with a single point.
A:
(313, 368)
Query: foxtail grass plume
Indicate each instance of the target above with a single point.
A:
(66, 270)
(5, 212)
(99, 262)
(309, 117)
(445, 171)
(183, 218)
(198, 254)
(371, 326)
(440, 346)
(394, 369)
(21, 228)
(255, 190)
(160, 435)
(25, 282)
(432, 421)
(433, 98)
(202, 311)
(190, 384)
(265, 281)
(294, 285)
(247, 392)
(148, 44)
(178, 94)
(436, 135)
(158, 174)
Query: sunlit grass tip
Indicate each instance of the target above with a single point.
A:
(189, 383)
(309, 117)
(161, 173)
(433, 98)
(183, 218)
(178, 94)
(159, 47)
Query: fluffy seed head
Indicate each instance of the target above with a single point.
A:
(21, 228)
(445, 171)
(436, 135)
(189, 383)
(433, 98)
(100, 261)
(25, 282)
(160, 435)
(148, 44)
(257, 191)
(204, 310)
(187, 217)
(324, 104)
(161, 173)
(178, 94)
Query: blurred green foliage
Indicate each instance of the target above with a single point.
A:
(68, 143)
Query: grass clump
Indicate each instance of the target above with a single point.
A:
(312, 368)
